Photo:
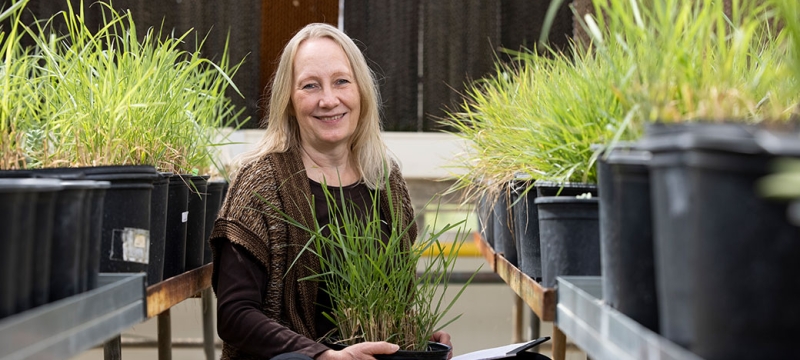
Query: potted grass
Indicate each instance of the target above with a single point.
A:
(371, 278)
(532, 118)
(31, 206)
(125, 115)
(689, 64)
(723, 79)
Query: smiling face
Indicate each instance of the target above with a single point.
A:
(325, 97)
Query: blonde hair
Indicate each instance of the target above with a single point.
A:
(283, 132)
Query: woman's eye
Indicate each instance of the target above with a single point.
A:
(342, 82)
(309, 86)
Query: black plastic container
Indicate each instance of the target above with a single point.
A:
(126, 218)
(436, 351)
(90, 253)
(177, 216)
(18, 205)
(158, 228)
(570, 237)
(213, 203)
(196, 224)
(526, 229)
(70, 232)
(12, 198)
(626, 237)
(42, 244)
(551, 188)
(485, 212)
(504, 242)
(742, 250)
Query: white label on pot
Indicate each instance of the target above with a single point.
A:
(185, 216)
(134, 243)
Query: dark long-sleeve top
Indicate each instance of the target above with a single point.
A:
(263, 310)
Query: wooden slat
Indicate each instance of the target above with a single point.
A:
(540, 299)
(170, 292)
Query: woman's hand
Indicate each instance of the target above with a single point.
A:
(443, 338)
(361, 351)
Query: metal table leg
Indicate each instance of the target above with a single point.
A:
(112, 349)
(517, 320)
(164, 336)
(534, 327)
(208, 324)
(559, 344)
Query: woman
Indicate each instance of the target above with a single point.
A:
(323, 128)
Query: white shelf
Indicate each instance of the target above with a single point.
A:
(603, 332)
(67, 327)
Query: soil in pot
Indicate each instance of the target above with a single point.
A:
(570, 237)
(196, 222)
(551, 188)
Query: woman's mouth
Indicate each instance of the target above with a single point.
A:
(330, 118)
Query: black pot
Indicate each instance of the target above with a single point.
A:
(504, 241)
(18, 205)
(626, 238)
(486, 218)
(70, 233)
(570, 237)
(125, 241)
(436, 351)
(42, 245)
(177, 216)
(158, 228)
(213, 203)
(196, 224)
(741, 248)
(672, 214)
(551, 188)
(95, 207)
(526, 229)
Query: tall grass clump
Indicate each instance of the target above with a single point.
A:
(18, 102)
(649, 60)
(112, 99)
(789, 19)
(371, 277)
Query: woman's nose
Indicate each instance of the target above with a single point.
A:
(329, 99)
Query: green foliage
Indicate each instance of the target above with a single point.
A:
(109, 98)
(649, 60)
(373, 285)
(18, 105)
(789, 18)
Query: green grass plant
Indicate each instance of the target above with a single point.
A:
(18, 105)
(373, 283)
(649, 60)
(113, 99)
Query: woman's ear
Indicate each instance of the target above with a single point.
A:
(292, 113)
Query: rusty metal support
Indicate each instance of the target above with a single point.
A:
(164, 335)
(208, 324)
